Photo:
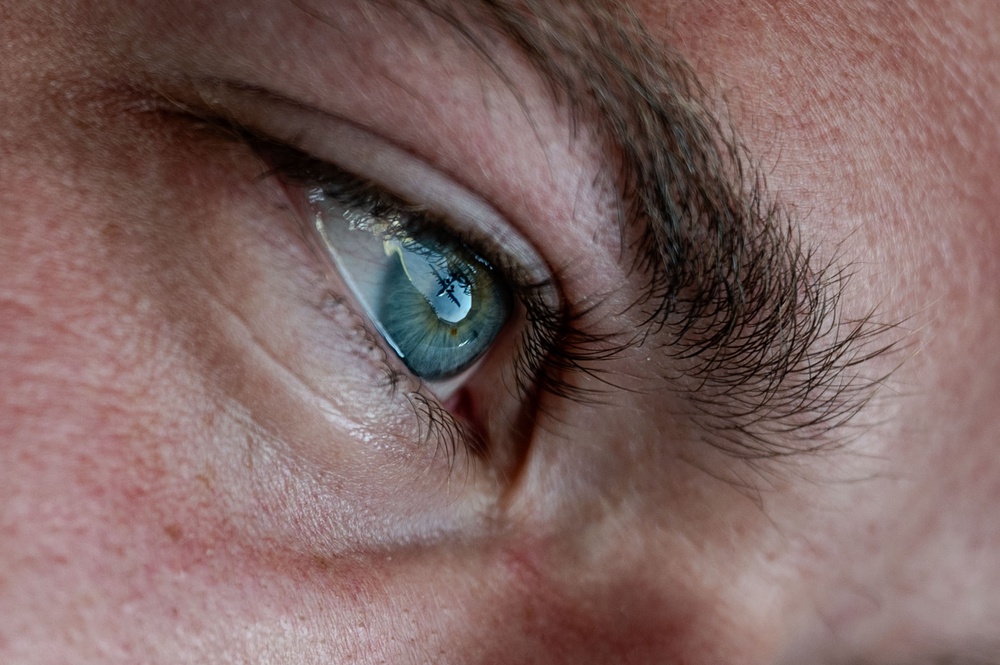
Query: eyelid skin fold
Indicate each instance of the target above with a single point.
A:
(334, 141)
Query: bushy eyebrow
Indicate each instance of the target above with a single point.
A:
(752, 320)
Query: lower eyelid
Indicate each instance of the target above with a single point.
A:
(447, 416)
(349, 360)
(448, 430)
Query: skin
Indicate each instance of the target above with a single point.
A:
(201, 459)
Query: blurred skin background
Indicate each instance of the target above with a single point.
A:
(743, 410)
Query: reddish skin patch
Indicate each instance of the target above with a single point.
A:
(460, 404)
(463, 407)
(622, 622)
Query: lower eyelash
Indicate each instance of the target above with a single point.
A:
(435, 424)
(449, 433)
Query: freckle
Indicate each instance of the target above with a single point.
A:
(207, 477)
(173, 531)
(322, 563)
(113, 233)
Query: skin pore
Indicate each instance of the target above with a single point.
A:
(209, 455)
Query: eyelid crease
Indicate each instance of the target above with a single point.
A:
(506, 253)
(314, 141)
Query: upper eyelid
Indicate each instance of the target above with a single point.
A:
(566, 340)
(338, 144)
(491, 238)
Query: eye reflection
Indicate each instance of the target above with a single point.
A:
(436, 302)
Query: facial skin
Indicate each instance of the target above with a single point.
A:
(207, 454)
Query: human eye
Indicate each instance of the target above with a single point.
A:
(462, 302)
(437, 303)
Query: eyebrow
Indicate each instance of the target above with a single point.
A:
(751, 317)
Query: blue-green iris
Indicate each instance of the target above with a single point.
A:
(439, 305)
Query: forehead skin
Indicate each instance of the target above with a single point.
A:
(181, 483)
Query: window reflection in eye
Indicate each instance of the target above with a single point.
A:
(434, 300)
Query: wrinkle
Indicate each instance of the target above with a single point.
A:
(323, 400)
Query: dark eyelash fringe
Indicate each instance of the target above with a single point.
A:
(753, 320)
(559, 346)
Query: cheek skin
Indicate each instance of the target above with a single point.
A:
(86, 533)
(178, 526)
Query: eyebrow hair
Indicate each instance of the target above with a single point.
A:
(752, 318)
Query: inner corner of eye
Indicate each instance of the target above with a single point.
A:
(438, 304)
